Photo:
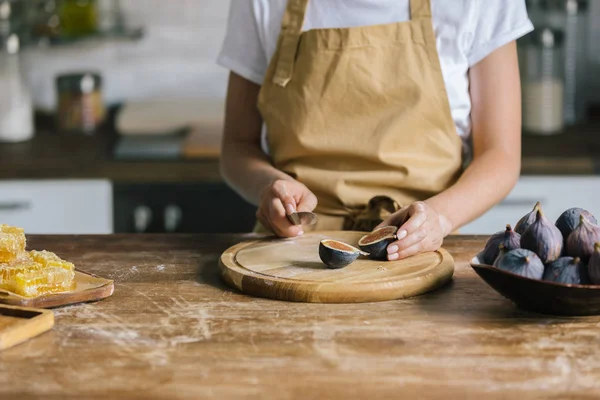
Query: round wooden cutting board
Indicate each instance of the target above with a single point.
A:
(290, 269)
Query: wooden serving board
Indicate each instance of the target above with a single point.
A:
(18, 324)
(290, 269)
(88, 287)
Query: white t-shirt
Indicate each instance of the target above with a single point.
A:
(466, 32)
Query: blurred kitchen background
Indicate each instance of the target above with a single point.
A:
(111, 114)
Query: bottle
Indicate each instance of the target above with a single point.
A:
(543, 86)
(571, 16)
(16, 109)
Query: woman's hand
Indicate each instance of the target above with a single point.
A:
(280, 199)
(420, 229)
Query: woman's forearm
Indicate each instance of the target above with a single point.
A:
(488, 179)
(244, 166)
(248, 170)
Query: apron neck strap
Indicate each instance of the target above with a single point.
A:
(291, 29)
(420, 9)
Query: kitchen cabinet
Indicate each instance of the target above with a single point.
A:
(555, 193)
(57, 206)
(181, 208)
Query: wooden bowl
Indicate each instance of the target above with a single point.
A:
(541, 296)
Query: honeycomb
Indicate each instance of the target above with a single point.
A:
(49, 259)
(12, 243)
(47, 280)
(34, 273)
(9, 271)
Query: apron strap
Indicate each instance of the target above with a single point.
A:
(291, 29)
(420, 9)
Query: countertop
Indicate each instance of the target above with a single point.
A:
(173, 330)
(52, 156)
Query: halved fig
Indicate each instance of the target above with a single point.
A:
(376, 242)
(336, 254)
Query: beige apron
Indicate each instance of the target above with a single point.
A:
(358, 113)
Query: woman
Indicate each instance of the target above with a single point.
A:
(367, 107)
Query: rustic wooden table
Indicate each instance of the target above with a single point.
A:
(172, 330)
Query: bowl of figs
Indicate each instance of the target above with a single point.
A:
(544, 266)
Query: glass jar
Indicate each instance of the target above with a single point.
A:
(80, 106)
(543, 85)
(571, 16)
(16, 109)
(78, 18)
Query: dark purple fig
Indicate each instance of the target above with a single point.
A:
(501, 253)
(594, 265)
(527, 219)
(522, 262)
(581, 241)
(376, 242)
(567, 270)
(508, 238)
(543, 238)
(568, 221)
(337, 254)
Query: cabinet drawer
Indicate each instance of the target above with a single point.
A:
(555, 193)
(57, 206)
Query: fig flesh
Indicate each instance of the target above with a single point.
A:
(568, 221)
(543, 238)
(336, 254)
(567, 270)
(581, 241)
(522, 262)
(594, 265)
(527, 219)
(508, 238)
(376, 242)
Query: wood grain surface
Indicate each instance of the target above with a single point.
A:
(291, 270)
(19, 324)
(174, 330)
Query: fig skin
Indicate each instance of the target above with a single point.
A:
(543, 238)
(581, 241)
(508, 238)
(527, 219)
(594, 265)
(336, 259)
(522, 262)
(568, 271)
(378, 250)
(568, 221)
(501, 253)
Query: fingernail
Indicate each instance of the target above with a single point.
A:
(392, 249)
(300, 233)
(392, 257)
(289, 209)
(401, 234)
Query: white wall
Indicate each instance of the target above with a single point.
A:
(175, 58)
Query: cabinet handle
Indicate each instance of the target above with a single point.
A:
(172, 217)
(15, 206)
(142, 216)
(521, 202)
